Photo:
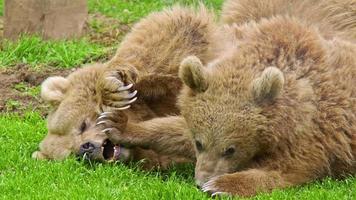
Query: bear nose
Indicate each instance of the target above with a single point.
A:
(87, 148)
(201, 177)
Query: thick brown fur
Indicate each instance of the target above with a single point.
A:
(149, 56)
(332, 18)
(282, 96)
(277, 107)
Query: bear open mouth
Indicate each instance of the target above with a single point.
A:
(111, 152)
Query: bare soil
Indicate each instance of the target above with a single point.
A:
(105, 30)
(17, 99)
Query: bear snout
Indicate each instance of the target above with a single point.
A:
(88, 150)
(201, 177)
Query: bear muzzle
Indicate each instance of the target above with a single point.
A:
(107, 151)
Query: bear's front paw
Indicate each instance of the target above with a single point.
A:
(215, 187)
(113, 124)
(116, 91)
(38, 155)
(229, 184)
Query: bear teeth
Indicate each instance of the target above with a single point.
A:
(117, 151)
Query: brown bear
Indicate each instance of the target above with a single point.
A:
(276, 108)
(149, 56)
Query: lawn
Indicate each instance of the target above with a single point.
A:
(22, 122)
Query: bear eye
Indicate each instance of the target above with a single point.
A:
(83, 127)
(198, 145)
(229, 151)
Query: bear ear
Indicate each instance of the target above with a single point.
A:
(54, 88)
(191, 72)
(268, 86)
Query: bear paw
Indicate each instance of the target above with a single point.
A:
(113, 124)
(38, 155)
(240, 184)
(214, 187)
(114, 92)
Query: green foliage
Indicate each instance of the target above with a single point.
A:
(129, 11)
(12, 104)
(1, 7)
(35, 51)
(28, 90)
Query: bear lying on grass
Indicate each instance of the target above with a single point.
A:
(149, 57)
(277, 107)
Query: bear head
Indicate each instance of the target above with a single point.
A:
(71, 124)
(239, 106)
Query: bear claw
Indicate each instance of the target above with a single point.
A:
(101, 122)
(131, 101)
(107, 130)
(127, 98)
(116, 94)
(127, 87)
(131, 95)
(123, 108)
(218, 194)
(104, 115)
(211, 188)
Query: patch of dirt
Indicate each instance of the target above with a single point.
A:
(16, 83)
(105, 30)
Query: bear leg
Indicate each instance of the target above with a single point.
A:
(245, 183)
(166, 135)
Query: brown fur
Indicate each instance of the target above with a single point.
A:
(333, 18)
(149, 56)
(277, 107)
(276, 97)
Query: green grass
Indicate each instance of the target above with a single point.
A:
(129, 11)
(26, 90)
(21, 177)
(24, 178)
(1, 7)
(35, 51)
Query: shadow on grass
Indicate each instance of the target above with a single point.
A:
(178, 172)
